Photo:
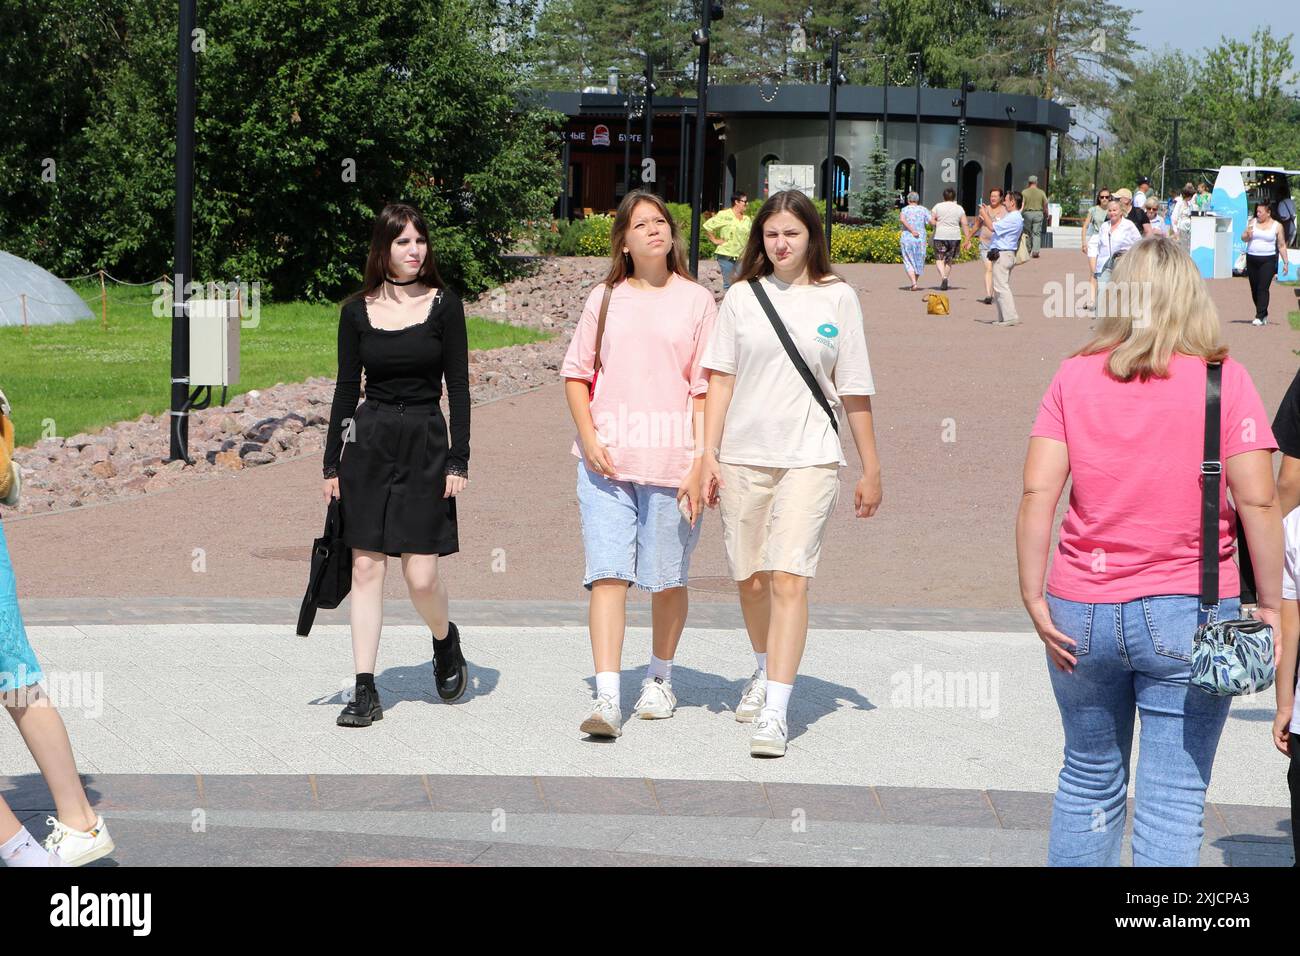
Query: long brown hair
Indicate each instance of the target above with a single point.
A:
(620, 264)
(754, 262)
(390, 222)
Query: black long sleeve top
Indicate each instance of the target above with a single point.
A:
(404, 365)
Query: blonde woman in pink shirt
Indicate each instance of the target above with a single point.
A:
(1124, 420)
(638, 471)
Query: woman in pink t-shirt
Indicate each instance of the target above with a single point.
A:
(638, 474)
(1124, 419)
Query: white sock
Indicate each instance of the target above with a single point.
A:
(607, 684)
(778, 699)
(762, 660)
(661, 669)
(24, 850)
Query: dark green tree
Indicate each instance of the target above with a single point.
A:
(311, 114)
(875, 201)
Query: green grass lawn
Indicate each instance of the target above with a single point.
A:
(85, 377)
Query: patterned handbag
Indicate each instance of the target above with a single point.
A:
(1229, 658)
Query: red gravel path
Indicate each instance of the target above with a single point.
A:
(943, 537)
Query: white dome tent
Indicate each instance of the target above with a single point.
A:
(49, 299)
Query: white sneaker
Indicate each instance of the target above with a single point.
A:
(1259, 322)
(656, 701)
(604, 719)
(769, 737)
(752, 698)
(75, 848)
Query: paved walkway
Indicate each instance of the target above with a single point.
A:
(916, 746)
(955, 404)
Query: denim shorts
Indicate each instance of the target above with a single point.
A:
(633, 532)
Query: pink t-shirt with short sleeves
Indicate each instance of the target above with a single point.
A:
(1134, 521)
(649, 372)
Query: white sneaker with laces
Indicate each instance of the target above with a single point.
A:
(656, 701)
(752, 698)
(769, 737)
(77, 848)
(604, 719)
(1258, 321)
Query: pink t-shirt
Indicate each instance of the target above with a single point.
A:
(649, 372)
(1134, 522)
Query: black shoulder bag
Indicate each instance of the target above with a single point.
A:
(793, 352)
(331, 570)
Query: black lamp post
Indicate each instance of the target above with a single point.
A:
(836, 78)
(710, 10)
(180, 394)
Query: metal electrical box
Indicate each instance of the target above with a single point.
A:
(214, 341)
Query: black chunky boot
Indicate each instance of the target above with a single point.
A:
(450, 674)
(363, 710)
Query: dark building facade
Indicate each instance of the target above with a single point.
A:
(749, 129)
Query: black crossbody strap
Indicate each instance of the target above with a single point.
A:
(804, 371)
(1211, 475)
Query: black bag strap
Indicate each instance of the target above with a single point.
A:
(1211, 475)
(804, 371)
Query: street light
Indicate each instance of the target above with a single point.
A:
(967, 87)
(710, 10)
(836, 78)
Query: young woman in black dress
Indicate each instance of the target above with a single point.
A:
(388, 460)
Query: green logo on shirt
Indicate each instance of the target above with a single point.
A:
(828, 330)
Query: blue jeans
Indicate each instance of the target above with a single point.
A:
(728, 267)
(633, 532)
(1133, 657)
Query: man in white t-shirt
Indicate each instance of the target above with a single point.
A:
(1142, 194)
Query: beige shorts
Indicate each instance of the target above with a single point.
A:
(774, 519)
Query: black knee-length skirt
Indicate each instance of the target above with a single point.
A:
(392, 476)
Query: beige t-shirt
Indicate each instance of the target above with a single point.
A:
(947, 217)
(773, 419)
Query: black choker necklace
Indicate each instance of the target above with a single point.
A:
(407, 282)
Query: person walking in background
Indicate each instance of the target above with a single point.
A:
(1286, 214)
(949, 221)
(911, 239)
(638, 496)
(1142, 193)
(1265, 249)
(1203, 197)
(729, 230)
(977, 225)
(788, 348)
(1092, 224)
(1181, 217)
(1034, 210)
(1155, 218)
(1119, 608)
(1002, 250)
(1134, 213)
(78, 835)
(398, 478)
(1105, 248)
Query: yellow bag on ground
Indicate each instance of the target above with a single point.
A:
(936, 303)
